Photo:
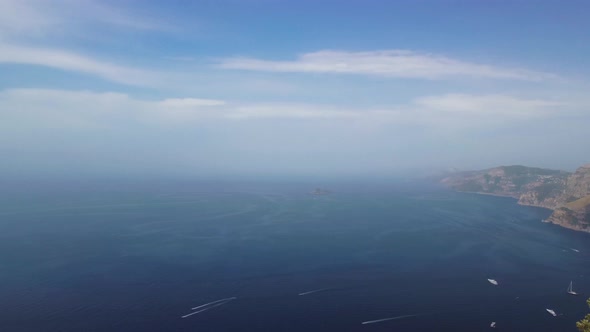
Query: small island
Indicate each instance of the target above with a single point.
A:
(320, 191)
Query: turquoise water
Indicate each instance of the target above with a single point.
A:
(137, 257)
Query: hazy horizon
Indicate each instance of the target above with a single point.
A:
(306, 89)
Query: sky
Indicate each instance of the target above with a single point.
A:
(229, 88)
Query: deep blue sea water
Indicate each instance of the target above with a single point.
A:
(136, 257)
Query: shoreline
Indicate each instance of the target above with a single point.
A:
(545, 221)
(487, 194)
(507, 196)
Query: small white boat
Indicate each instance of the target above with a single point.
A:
(551, 312)
(493, 325)
(493, 282)
(570, 289)
(576, 250)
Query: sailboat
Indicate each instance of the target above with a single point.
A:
(570, 289)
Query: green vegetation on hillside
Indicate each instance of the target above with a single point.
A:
(566, 215)
(584, 324)
(545, 190)
(471, 186)
(516, 170)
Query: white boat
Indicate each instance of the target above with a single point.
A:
(551, 312)
(576, 250)
(570, 289)
(493, 282)
(493, 325)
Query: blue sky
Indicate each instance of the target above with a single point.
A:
(306, 88)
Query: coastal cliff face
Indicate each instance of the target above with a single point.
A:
(578, 184)
(575, 212)
(568, 194)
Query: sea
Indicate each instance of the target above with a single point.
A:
(137, 256)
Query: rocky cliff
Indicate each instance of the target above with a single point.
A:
(575, 212)
(578, 184)
(568, 194)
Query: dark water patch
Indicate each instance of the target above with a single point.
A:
(137, 260)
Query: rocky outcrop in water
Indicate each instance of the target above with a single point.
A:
(568, 194)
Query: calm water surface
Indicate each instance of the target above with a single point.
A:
(137, 257)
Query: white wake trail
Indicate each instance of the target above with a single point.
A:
(314, 291)
(210, 303)
(389, 318)
(211, 306)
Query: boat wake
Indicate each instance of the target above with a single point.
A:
(389, 318)
(314, 291)
(208, 306)
(210, 303)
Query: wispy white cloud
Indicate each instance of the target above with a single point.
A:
(189, 102)
(40, 106)
(38, 18)
(35, 32)
(300, 111)
(437, 111)
(119, 16)
(180, 58)
(208, 134)
(489, 105)
(389, 63)
(70, 61)
(26, 108)
(23, 17)
(69, 131)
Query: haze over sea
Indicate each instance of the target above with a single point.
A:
(136, 257)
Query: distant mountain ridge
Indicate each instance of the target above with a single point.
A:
(568, 194)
